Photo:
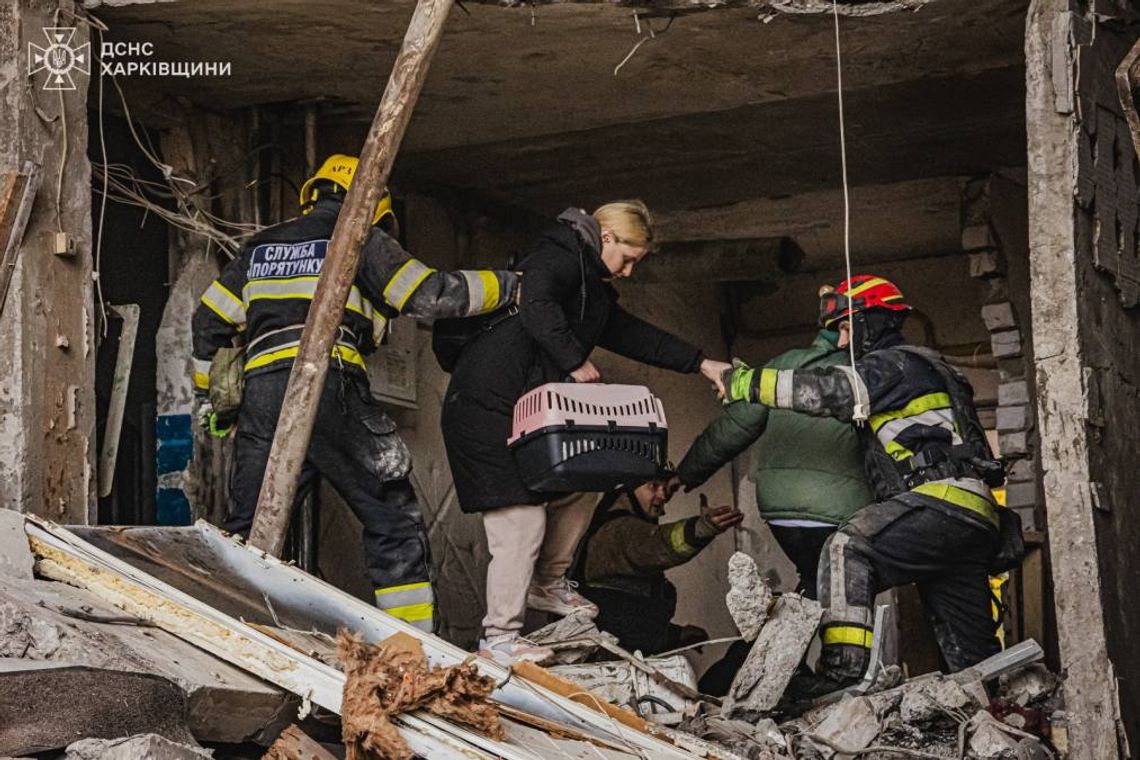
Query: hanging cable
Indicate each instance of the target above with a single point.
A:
(861, 411)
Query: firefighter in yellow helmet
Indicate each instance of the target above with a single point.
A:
(264, 295)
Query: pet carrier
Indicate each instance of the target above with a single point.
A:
(596, 437)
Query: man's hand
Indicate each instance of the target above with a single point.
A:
(739, 383)
(587, 373)
(716, 520)
(714, 373)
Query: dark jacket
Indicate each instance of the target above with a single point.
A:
(566, 309)
(912, 437)
(621, 567)
(266, 291)
(806, 468)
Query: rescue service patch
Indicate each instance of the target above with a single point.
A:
(279, 260)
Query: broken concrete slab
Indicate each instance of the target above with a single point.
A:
(139, 747)
(851, 724)
(44, 621)
(748, 597)
(573, 638)
(934, 699)
(47, 706)
(16, 559)
(988, 741)
(777, 653)
(621, 683)
(1028, 685)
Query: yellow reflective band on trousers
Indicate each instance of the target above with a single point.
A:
(847, 634)
(407, 278)
(411, 602)
(339, 352)
(960, 497)
(224, 303)
(677, 540)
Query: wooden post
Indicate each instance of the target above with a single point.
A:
(307, 380)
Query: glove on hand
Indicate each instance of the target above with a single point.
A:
(210, 421)
(740, 383)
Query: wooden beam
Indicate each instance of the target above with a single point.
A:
(295, 744)
(747, 260)
(17, 194)
(1127, 85)
(307, 380)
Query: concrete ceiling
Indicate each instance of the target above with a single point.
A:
(726, 107)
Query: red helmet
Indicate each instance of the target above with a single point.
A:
(860, 293)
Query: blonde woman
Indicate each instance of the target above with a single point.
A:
(567, 307)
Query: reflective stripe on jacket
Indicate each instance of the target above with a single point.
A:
(266, 291)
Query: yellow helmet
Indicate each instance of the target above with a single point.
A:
(339, 169)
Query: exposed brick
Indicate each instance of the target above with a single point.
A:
(1019, 495)
(1013, 394)
(986, 264)
(1006, 344)
(998, 316)
(1012, 444)
(979, 237)
(1013, 418)
(1021, 471)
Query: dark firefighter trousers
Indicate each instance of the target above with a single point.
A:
(940, 547)
(356, 449)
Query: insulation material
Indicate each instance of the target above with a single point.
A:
(392, 677)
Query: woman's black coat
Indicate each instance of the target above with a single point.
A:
(566, 309)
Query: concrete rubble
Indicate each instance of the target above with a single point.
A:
(748, 597)
(138, 747)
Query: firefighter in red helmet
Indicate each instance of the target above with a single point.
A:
(936, 523)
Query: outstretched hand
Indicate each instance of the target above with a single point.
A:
(716, 520)
(714, 372)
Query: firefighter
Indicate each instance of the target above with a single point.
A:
(264, 294)
(935, 523)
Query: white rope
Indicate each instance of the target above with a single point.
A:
(860, 412)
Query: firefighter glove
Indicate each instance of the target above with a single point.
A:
(217, 425)
(740, 383)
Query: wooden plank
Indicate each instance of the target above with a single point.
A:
(17, 194)
(306, 381)
(295, 744)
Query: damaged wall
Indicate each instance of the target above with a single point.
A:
(47, 409)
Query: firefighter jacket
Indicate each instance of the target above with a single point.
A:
(913, 441)
(626, 551)
(265, 293)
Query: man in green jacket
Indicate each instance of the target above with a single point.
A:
(809, 475)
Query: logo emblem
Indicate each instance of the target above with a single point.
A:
(59, 58)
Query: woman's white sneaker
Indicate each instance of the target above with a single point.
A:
(560, 598)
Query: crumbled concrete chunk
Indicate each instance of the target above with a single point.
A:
(988, 741)
(748, 596)
(932, 699)
(852, 725)
(1028, 685)
(140, 747)
(778, 650)
(15, 555)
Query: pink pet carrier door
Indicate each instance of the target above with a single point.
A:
(589, 437)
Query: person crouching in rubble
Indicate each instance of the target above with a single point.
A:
(265, 293)
(622, 561)
(808, 473)
(936, 523)
(567, 306)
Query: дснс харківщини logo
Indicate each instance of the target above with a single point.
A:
(59, 58)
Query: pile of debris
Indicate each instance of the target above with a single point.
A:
(128, 643)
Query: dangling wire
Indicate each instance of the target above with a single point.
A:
(860, 414)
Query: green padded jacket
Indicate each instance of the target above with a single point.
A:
(806, 468)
